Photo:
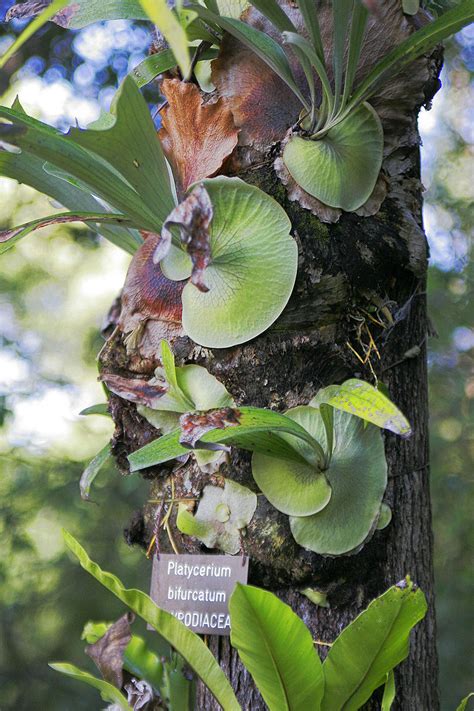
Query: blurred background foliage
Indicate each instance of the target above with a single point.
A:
(55, 288)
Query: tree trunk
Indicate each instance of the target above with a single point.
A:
(293, 367)
(348, 271)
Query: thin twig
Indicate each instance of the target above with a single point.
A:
(187, 500)
(156, 529)
(372, 343)
(171, 539)
(355, 353)
(166, 519)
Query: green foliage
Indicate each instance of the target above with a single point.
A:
(101, 408)
(168, 24)
(339, 159)
(342, 167)
(126, 138)
(222, 515)
(153, 66)
(178, 689)
(48, 144)
(371, 646)
(411, 7)
(303, 49)
(255, 432)
(272, 10)
(10, 237)
(277, 649)
(320, 464)
(119, 158)
(316, 596)
(363, 400)
(350, 15)
(389, 692)
(107, 691)
(310, 17)
(188, 388)
(157, 64)
(356, 38)
(414, 46)
(385, 517)
(295, 488)
(357, 476)
(341, 16)
(87, 12)
(31, 170)
(92, 470)
(188, 644)
(32, 573)
(251, 251)
(463, 705)
(264, 46)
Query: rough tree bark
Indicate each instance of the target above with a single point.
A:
(345, 270)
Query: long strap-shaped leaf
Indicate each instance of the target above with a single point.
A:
(304, 46)
(363, 400)
(50, 145)
(152, 66)
(341, 12)
(389, 692)
(373, 644)
(278, 17)
(310, 16)
(33, 27)
(264, 47)
(463, 705)
(10, 237)
(92, 470)
(168, 447)
(212, 5)
(358, 25)
(185, 642)
(257, 431)
(107, 691)
(169, 26)
(276, 647)
(127, 140)
(421, 41)
(77, 14)
(29, 169)
(273, 12)
(156, 64)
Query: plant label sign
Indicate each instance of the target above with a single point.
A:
(196, 588)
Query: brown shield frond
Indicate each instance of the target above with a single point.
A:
(151, 303)
(193, 217)
(108, 651)
(262, 104)
(195, 424)
(197, 138)
(142, 392)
